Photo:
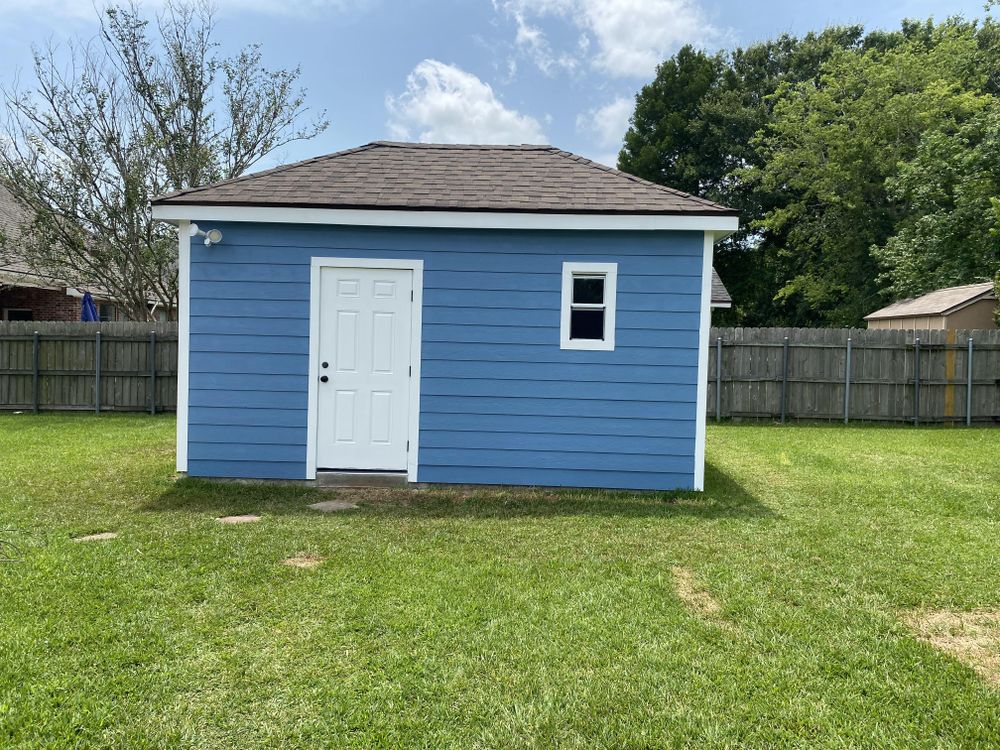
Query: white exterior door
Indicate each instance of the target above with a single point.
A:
(364, 368)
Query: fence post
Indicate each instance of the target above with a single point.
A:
(718, 379)
(916, 381)
(968, 386)
(152, 372)
(97, 372)
(35, 345)
(847, 383)
(784, 380)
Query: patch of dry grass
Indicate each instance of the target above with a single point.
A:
(303, 560)
(971, 637)
(694, 595)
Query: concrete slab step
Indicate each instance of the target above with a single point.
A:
(361, 479)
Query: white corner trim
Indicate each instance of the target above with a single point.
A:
(610, 273)
(313, 398)
(183, 341)
(445, 219)
(416, 332)
(704, 326)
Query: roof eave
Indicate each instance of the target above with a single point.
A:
(718, 224)
(167, 201)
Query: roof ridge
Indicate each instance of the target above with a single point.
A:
(633, 178)
(466, 146)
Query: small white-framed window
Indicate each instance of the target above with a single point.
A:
(588, 306)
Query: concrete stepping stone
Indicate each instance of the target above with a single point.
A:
(332, 506)
(96, 537)
(229, 520)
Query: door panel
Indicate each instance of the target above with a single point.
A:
(364, 337)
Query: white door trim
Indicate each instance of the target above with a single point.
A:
(416, 329)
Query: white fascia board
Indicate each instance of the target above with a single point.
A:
(446, 219)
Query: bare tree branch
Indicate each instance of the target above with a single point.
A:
(147, 107)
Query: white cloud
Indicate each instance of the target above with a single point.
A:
(445, 104)
(632, 36)
(532, 41)
(608, 123)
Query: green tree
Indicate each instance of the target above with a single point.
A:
(950, 231)
(693, 129)
(145, 109)
(836, 145)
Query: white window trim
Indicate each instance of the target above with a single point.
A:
(8, 310)
(610, 273)
(416, 329)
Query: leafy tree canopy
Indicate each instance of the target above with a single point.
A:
(864, 165)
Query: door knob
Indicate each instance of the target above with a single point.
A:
(323, 378)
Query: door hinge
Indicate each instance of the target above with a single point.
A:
(411, 371)
(411, 295)
(407, 446)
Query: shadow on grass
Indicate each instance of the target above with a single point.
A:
(724, 497)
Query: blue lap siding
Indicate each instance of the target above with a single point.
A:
(500, 403)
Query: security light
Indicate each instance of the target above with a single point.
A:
(212, 236)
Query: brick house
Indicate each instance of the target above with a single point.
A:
(28, 295)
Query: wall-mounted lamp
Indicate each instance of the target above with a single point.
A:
(212, 236)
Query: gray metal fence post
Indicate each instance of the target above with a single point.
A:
(847, 383)
(35, 346)
(784, 380)
(97, 372)
(916, 381)
(718, 379)
(968, 386)
(152, 372)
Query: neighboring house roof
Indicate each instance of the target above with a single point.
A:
(938, 302)
(13, 216)
(437, 177)
(720, 295)
(15, 271)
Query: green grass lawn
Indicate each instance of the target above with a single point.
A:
(497, 619)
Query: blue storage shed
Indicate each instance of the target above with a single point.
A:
(455, 314)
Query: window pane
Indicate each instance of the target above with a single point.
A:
(586, 324)
(588, 291)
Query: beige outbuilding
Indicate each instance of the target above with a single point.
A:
(969, 306)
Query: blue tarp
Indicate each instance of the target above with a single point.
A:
(88, 310)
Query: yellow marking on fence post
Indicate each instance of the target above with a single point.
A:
(949, 376)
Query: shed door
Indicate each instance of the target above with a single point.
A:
(364, 354)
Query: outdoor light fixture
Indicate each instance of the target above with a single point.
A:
(212, 236)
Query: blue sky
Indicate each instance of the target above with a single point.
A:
(498, 71)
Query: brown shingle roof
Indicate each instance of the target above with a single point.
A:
(13, 270)
(938, 302)
(720, 295)
(423, 176)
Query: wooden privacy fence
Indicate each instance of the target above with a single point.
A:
(754, 373)
(95, 366)
(873, 375)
